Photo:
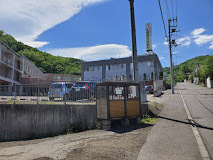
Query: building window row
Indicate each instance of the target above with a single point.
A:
(56, 77)
(108, 67)
(92, 68)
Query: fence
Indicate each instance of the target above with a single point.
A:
(56, 93)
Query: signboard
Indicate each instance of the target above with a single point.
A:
(148, 37)
(133, 91)
(118, 90)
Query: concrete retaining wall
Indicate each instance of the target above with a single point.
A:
(23, 122)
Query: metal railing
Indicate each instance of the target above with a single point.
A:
(46, 94)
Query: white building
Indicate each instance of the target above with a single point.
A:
(149, 67)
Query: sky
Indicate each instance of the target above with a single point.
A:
(100, 29)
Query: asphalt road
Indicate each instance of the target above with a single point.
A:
(199, 101)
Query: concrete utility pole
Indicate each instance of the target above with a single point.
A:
(171, 30)
(134, 46)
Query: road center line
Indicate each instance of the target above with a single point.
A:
(203, 151)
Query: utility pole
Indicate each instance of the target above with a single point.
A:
(172, 29)
(134, 46)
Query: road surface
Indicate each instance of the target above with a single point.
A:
(199, 101)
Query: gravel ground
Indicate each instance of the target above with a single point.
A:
(121, 143)
(96, 144)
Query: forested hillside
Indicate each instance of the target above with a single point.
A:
(201, 67)
(44, 61)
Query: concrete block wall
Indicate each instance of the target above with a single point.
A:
(23, 122)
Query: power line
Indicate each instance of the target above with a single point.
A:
(168, 14)
(162, 18)
(172, 8)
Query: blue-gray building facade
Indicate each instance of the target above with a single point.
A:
(121, 69)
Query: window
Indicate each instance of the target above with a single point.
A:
(86, 69)
(107, 67)
(150, 64)
(123, 66)
(57, 77)
(131, 65)
(66, 78)
(92, 68)
(144, 76)
(99, 68)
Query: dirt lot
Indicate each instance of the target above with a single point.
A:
(121, 143)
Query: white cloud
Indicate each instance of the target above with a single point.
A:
(106, 51)
(166, 43)
(27, 19)
(198, 31)
(154, 46)
(199, 38)
(211, 46)
(174, 52)
(184, 41)
(161, 58)
(202, 39)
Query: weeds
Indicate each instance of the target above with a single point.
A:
(147, 119)
(155, 105)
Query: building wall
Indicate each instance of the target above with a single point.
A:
(115, 71)
(62, 77)
(146, 64)
(30, 70)
(147, 68)
(11, 65)
(93, 73)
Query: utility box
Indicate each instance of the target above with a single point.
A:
(117, 100)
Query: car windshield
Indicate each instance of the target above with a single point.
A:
(69, 85)
(79, 85)
(56, 86)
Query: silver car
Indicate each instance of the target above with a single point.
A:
(59, 90)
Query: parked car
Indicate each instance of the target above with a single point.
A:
(149, 89)
(60, 90)
(83, 90)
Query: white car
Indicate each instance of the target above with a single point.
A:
(59, 90)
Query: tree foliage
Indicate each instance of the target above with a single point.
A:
(46, 62)
(201, 67)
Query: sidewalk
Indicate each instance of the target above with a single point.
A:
(172, 137)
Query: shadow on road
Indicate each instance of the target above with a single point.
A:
(126, 129)
(190, 122)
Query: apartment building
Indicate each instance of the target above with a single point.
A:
(11, 66)
(149, 68)
(30, 70)
(13, 69)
